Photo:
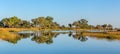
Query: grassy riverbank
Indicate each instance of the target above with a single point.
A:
(10, 34)
(103, 35)
(7, 32)
(17, 29)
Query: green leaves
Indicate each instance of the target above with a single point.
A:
(44, 22)
(14, 22)
(11, 22)
(81, 24)
(48, 23)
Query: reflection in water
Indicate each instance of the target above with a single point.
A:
(78, 36)
(11, 38)
(44, 37)
(47, 37)
(25, 35)
(109, 38)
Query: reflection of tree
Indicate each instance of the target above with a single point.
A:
(25, 35)
(78, 36)
(47, 36)
(14, 41)
(109, 38)
(70, 33)
(44, 37)
(10, 37)
(38, 37)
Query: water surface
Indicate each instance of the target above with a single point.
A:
(59, 43)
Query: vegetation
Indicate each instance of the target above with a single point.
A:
(45, 23)
(9, 27)
(14, 22)
(46, 37)
(48, 23)
(7, 36)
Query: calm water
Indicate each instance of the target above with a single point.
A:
(59, 43)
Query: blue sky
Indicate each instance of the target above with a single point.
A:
(64, 11)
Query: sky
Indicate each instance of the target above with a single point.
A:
(64, 11)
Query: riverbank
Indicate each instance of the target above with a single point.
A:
(102, 35)
(17, 29)
(78, 30)
(11, 34)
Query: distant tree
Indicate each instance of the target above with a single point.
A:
(99, 27)
(83, 21)
(104, 27)
(25, 24)
(49, 18)
(11, 22)
(1, 24)
(83, 24)
(45, 22)
(110, 27)
(48, 23)
(70, 25)
(91, 27)
(76, 24)
(55, 25)
(63, 27)
(38, 21)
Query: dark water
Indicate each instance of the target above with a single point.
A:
(59, 43)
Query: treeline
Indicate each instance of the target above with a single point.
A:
(40, 22)
(48, 23)
(83, 24)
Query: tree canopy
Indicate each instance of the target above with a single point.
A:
(48, 23)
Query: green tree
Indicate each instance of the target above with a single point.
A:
(70, 26)
(98, 27)
(11, 22)
(45, 22)
(84, 23)
(55, 25)
(25, 24)
(81, 24)
(1, 24)
(38, 21)
(76, 24)
(104, 27)
(110, 27)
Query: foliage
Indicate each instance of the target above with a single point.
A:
(45, 23)
(14, 22)
(48, 23)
